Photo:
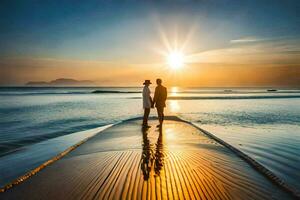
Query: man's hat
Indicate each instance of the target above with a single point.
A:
(147, 82)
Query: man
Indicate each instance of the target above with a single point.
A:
(147, 102)
(159, 100)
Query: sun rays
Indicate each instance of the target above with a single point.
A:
(175, 60)
(175, 47)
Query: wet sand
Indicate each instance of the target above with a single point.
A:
(127, 162)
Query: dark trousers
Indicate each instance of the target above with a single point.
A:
(160, 113)
(146, 115)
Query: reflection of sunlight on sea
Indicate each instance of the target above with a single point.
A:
(174, 91)
(174, 106)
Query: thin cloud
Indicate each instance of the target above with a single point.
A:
(263, 51)
(247, 40)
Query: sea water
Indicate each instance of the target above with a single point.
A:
(38, 123)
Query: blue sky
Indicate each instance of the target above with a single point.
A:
(130, 31)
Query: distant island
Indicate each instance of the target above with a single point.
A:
(61, 82)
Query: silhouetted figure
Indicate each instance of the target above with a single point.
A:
(159, 100)
(147, 102)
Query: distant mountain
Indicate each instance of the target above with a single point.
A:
(61, 82)
(37, 83)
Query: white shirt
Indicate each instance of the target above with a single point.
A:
(146, 97)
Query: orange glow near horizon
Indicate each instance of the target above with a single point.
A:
(174, 60)
(110, 74)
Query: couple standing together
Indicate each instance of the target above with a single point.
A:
(159, 101)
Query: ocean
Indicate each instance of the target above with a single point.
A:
(38, 123)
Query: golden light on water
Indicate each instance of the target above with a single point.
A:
(174, 106)
(174, 91)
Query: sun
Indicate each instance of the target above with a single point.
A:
(175, 59)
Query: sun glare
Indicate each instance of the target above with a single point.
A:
(175, 60)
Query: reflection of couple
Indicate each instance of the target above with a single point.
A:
(159, 101)
(152, 158)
